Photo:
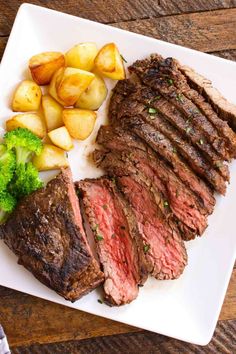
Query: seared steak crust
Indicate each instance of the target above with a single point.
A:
(150, 73)
(119, 245)
(45, 231)
(225, 109)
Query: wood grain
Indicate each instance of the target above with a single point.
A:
(224, 341)
(207, 31)
(25, 318)
(102, 11)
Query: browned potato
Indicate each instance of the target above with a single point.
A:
(51, 158)
(52, 112)
(27, 97)
(61, 138)
(109, 62)
(79, 122)
(72, 84)
(54, 83)
(82, 56)
(42, 66)
(31, 121)
(93, 97)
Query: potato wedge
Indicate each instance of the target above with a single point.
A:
(82, 56)
(27, 97)
(93, 97)
(31, 121)
(72, 84)
(61, 138)
(42, 66)
(54, 83)
(51, 158)
(52, 111)
(109, 63)
(79, 122)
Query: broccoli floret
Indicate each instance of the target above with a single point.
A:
(7, 166)
(7, 204)
(26, 180)
(25, 144)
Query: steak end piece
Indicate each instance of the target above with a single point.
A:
(225, 109)
(45, 231)
(119, 244)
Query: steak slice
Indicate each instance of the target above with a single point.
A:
(225, 109)
(173, 68)
(119, 244)
(164, 248)
(149, 72)
(117, 139)
(45, 231)
(173, 200)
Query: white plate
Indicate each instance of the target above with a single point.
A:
(187, 308)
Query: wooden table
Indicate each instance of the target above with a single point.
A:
(37, 326)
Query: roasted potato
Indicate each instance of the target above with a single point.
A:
(109, 63)
(82, 56)
(52, 112)
(72, 84)
(31, 121)
(79, 122)
(42, 66)
(93, 97)
(51, 158)
(27, 97)
(61, 138)
(53, 85)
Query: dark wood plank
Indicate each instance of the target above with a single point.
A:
(224, 341)
(102, 11)
(206, 31)
(28, 319)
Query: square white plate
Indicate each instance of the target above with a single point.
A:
(187, 308)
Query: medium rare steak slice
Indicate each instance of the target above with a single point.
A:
(149, 72)
(172, 200)
(45, 231)
(117, 139)
(119, 244)
(164, 248)
(225, 109)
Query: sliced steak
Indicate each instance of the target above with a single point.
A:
(156, 102)
(181, 146)
(45, 231)
(225, 109)
(163, 245)
(176, 204)
(149, 72)
(119, 244)
(114, 138)
(173, 69)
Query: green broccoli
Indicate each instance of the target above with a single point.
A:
(24, 143)
(7, 166)
(26, 180)
(7, 205)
